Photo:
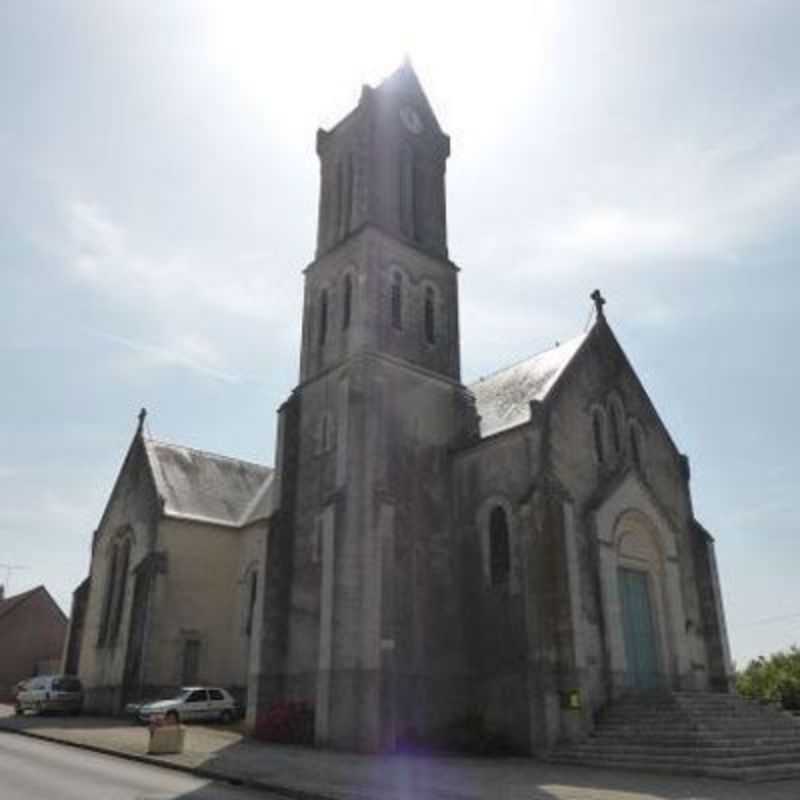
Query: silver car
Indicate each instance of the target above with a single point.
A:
(50, 693)
(191, 704)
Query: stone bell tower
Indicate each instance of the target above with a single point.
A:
(362, 594)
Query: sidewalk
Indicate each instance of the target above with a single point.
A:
(224, 753)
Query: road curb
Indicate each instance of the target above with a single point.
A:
(200, 772)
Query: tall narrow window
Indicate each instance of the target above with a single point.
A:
(347, 301)
(340, 192)
(397, 301)
(323, 317)
(109, 595)
(407, 193)
(636, 451)
(616, 437)
(119, 594)
(430, 316)
(597, 429)
(499, 546)
(251, 603)
(347, 213)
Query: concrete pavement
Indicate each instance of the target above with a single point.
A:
(299, 772)
(32, 769)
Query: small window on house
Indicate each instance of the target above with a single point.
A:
(499, 546)
(616, 436)
(347, 301)
(597, 430)
(191, 664)
(430, 316)
(397, 301)
(636, 447)
(323, 317)
(251, 603)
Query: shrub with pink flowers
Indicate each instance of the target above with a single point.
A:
(287, 723)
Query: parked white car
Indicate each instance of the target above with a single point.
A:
(50, 693)
(192, 704)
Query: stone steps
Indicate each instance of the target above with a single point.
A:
(721, 736)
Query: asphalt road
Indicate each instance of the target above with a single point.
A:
(36, 770)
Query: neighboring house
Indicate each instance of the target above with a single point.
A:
(32, 632)
(525, 545)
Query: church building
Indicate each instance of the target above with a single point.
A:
(525, 545)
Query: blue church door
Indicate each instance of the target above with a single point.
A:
(641, 653)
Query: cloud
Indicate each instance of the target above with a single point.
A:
(192, 354)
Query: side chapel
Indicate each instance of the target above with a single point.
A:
(525, 545)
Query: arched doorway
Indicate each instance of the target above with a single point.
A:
(640, 580)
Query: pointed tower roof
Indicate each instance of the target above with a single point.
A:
(404, 85)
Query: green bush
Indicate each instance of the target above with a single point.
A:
(773, 680)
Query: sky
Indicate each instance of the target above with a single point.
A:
(160, 183)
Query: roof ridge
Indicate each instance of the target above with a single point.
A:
(153, 440)
(527, 358)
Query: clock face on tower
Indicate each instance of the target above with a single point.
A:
(411, 119)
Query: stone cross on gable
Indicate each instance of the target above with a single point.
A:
(599, 302)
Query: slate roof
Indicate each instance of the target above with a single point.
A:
(503, 398)
(209, 487)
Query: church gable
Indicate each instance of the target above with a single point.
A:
(134, 500)
(602, 422)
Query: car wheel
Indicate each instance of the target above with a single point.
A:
(225, 717)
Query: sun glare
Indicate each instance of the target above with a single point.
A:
(310, 58)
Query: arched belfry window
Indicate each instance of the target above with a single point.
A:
(339, 200)
(430, 316)
(407, 192)
(499, 546)
(597, 432)
(636, 446)
(397, 301)
(347, 301)
(323, 316)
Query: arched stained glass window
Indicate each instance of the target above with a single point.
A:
(636, 447)
(499, 546)
(616, 436)
(597, 430)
